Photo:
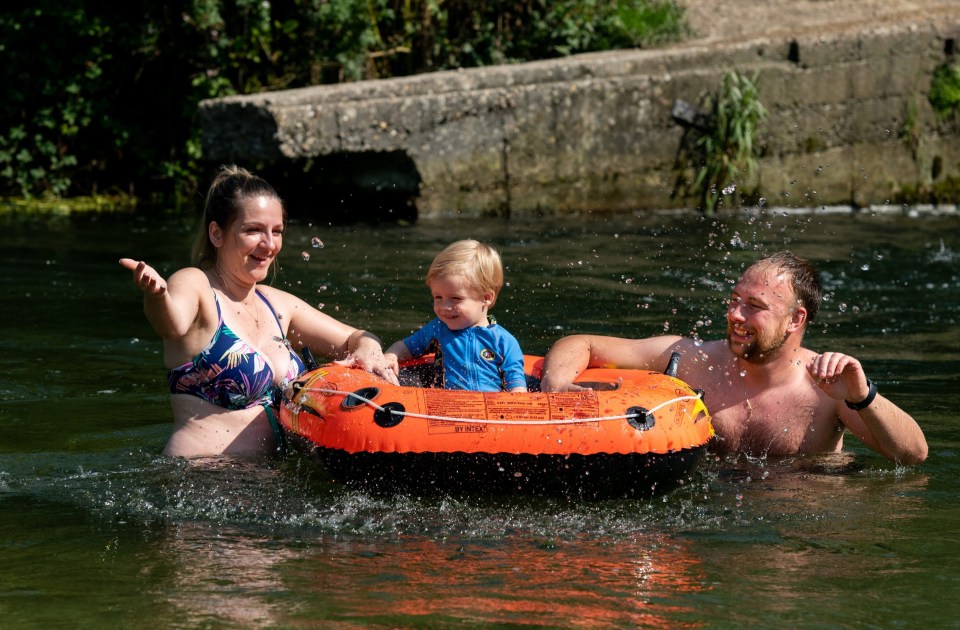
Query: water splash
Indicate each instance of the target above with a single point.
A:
(944, 254)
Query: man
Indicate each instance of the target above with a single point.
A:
(767, 394)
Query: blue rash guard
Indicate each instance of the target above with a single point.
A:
(479, 358)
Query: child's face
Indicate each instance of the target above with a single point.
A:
(458, 304)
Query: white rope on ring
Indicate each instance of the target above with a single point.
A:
(411, 414)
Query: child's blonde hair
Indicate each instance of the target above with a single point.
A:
(479, 264)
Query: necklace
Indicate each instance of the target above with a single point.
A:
(255, 314)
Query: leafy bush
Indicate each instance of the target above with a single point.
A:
(101, 97)
(729, 146)
(945, 89)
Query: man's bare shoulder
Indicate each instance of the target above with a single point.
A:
(702, 361)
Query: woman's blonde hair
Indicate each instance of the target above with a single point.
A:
(229, 189)
(479, 264)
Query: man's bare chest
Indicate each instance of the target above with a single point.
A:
(781, 422)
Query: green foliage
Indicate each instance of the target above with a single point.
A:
(66, 206)
(383, 38)
(945, 191)
(48, 95)
(730, 151)
(103, 96)
(945, 89)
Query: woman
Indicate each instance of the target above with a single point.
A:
(228, 341)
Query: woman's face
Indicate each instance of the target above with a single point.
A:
(252, 241)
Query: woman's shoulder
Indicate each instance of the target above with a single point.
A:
(278, 297)
(190, 281)
(190, 275)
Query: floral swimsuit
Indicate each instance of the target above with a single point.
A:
(230, 373)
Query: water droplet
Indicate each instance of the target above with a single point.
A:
(865, 267)
(316, 242)
(320, 306)
(729, 189)
(843, 307)
(305, 256)
(743, 373)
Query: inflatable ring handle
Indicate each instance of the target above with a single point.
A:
(673, 365)
(359, 398)
(640, 419)
(308, 361)
(389, 415)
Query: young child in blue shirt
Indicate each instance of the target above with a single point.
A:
(471, 351)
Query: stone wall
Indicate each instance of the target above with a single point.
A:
(849, 124)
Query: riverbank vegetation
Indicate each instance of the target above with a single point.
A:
(729, 151)
(101, 99)
(945, 90)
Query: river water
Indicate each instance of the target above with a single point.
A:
(98, 530)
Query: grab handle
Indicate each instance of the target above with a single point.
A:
(308, 360)
(673, 365)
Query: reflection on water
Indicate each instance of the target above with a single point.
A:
(215, 573)
(591, 582)
(96, 527)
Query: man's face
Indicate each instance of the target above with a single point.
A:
(761, 314)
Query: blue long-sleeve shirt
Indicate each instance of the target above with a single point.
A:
(479, 358)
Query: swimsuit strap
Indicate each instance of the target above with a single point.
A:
(278, 435)
(270, 306)
(217, 302)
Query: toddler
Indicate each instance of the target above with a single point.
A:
(471, 351)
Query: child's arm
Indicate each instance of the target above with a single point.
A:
(395, 354)
(512, 366)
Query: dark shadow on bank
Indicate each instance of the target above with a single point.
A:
(348, 187)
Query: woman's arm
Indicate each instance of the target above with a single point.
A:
(171, 306)
(327, 336)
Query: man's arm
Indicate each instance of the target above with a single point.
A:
(572, 355)
(882, 425)
(889, 430)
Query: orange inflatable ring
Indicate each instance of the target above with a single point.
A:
(633, 434)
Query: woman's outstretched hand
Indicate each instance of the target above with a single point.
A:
(145, 277)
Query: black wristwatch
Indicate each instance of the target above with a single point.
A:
(863, 404)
